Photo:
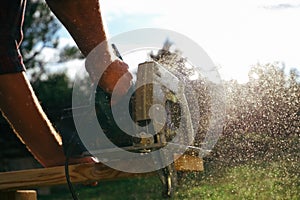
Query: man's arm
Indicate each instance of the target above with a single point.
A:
(18, 102)
(22, 109)
(83, 20)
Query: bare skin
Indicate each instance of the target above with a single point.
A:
(22, 109)
(83, 20)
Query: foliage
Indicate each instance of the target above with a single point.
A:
(68, 53)
(55, 94)
(39, 29)
(40, 32)
(263, 118)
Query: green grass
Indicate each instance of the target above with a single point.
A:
(277, 180)
(136, 188)
(246, 182)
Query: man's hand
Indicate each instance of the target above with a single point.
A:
(116, 71)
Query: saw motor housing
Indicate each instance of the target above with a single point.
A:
(160, 106)
(156, 102)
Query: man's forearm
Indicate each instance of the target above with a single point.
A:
(22, 109)
(83, 20)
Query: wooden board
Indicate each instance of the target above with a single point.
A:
(81, 173)
(19, 195)
(188, 163)
(56, 176)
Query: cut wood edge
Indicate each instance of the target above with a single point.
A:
(188, 163)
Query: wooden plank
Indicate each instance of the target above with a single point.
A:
(188, 163)
(84, 173)
(19, 195)
(56, 176)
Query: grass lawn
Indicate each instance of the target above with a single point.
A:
(277, 180)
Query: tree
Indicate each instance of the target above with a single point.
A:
(55, 94)
(41, 31)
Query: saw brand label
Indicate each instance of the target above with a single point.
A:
(176, 105)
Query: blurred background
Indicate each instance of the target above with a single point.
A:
(255, 47)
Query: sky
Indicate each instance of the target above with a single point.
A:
(236, 34)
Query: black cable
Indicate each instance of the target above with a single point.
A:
(69, 151)
(72, 144)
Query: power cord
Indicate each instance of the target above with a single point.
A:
(72, 144)
(69, 151)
